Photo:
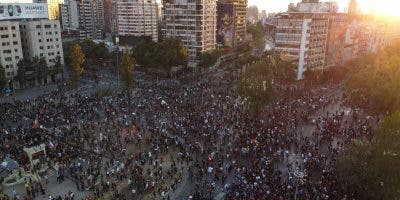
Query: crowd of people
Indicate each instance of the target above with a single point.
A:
(187, 137)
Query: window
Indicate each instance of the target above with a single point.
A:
(15, 43)
(14, 35)
(8, 73)
(47, 26)
(38, 26)
(38, 33)
(56, 39)
(40, 40)
(7, 51)
(41, 47)
(12, 27)
(16, 50)
(4, 36)
(8, 59)
(16, 57)
(41, 55)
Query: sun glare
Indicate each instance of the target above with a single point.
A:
(388, 8)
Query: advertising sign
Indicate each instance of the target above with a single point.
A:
(10, 11)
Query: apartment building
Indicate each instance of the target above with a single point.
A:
(42, 38)
(10, 48)
(194, 22)
(302, 34)
(137, 18)
(91, 19)
(69, 15)
(110, 16)
(231, 22)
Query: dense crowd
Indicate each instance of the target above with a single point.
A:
(186, 137)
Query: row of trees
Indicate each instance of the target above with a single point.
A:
(368, 169)
(127, 66)
(38, 70)
(374, 82)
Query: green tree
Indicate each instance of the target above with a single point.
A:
(127, 69)
(41, 69)
(370, 170)
(209, 58)
(258, 34)
(171, 53)
(22, 69)
(3, 79)
(256, 85)
(58, 68)
(77, 58)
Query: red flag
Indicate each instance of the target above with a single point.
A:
(36, 122)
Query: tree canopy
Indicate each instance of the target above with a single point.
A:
(164, 55)
(375, 82)
(258, 33)
(77, 58)
(209, 58)
(127, 69)
(370, 170)
(256, 85)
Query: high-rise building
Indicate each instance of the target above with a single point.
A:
(231, 22)
(353, 8)
(302, 34)
(91, 19)
(194, 22)
(42, 38)
(137, 18)
(29, 36)
(84, 16)
(52, 8)
(110, 16)
(10, 47)
(69, 15)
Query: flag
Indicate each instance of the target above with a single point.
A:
(36, 122)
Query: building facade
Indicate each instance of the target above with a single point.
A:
(110, 16)
(10, 47)
(91, 19)
(69, 15)
(42, 38)
(231, 22)
(302, 34)
(137, 18)
(194, 22)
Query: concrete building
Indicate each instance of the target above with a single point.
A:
(110, 16)
(231, 22)
(194, 22)
(303, 33)
(137, 18)
(84, 16)
(52, 8)
(42, 38)
(10, 48)
(336, 42)
(69, 15)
